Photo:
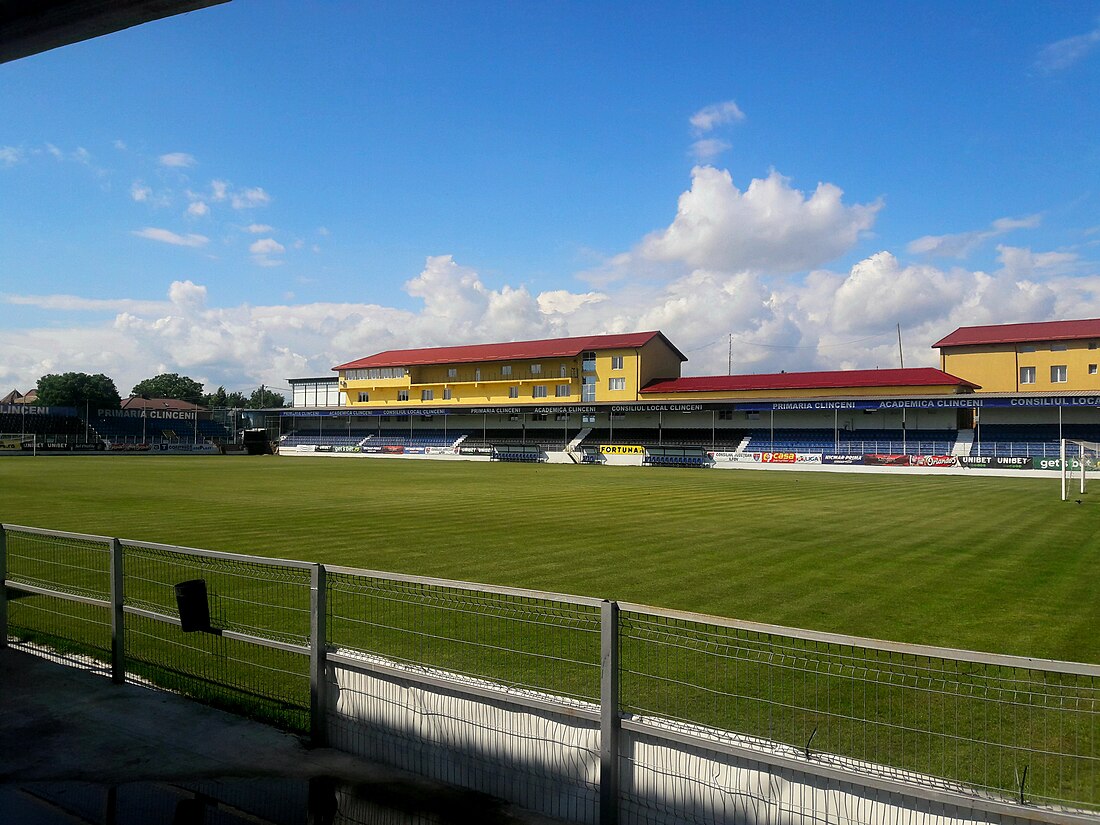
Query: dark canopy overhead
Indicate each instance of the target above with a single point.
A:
(31, 26)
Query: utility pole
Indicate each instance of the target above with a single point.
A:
(729, 360)
(901, 358)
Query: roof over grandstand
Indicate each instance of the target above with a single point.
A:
(834, 379)
(1021, 333)
(514, 351)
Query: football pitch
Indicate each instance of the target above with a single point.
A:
(994, 564)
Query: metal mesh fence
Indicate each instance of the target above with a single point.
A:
(65, 563)
(262, 599)
(257, 598)
(260, 682)
(1007, 731)
(1005, 728)
(79, 566)
(72, 631)
(515, 640)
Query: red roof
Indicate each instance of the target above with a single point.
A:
(515, 351)
(136, 402)
(836, 379)
(1021, 333)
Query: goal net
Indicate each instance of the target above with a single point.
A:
(1077, 458)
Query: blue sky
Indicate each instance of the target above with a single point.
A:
(261, 190)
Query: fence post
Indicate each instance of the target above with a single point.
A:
(609, 713)
(318, 644)
(118, 622)
(3, 588)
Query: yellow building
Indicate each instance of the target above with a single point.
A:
(583, 370)
(1051, 356)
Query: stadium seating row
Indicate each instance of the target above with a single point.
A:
(677, 461)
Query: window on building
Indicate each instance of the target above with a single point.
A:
(1092, 369)
(725, 415)
(374, 374)
(588, 361)
(538, 417)
(446, 393)
(616, 384)
(616, 362)
(513, 392)
(427, 395)
(538, 391)
(562, 391)
(1027, 348)
(1058, 347)
(506, 370)
(588, 419)
(1059, 374)
(562, 370)
(536, 369)
(364, 397)
(402, 395)
(452, 372)
(1027, 375)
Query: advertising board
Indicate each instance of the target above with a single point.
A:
(934, 461)
(1015, 462)
(622, 449)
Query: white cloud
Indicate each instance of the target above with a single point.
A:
(120, 145)
(166, 236)
(564, 302)
(197, 209)
(258, 228)
(824, 320)
(10, 155)
(263, 251)
(55, 152)
(75, 303)
(177, 160)
(1064, 53)
(769, 227)
(219, 190)
(266, 246)
(249, 198)
(709, 148)
(716, 114)
(140, 192)
(960, 245)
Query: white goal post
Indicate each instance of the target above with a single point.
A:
(1085, 453)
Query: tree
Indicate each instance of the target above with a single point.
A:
(222, 399)
(264, 398)
(78, 389)
(170, 385)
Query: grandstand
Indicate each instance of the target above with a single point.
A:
(25, 427)
(42, 426)
(575, 394)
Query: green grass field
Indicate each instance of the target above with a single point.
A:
(982, 563)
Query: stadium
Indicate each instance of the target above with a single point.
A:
(1003, 397)
(913, 648)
